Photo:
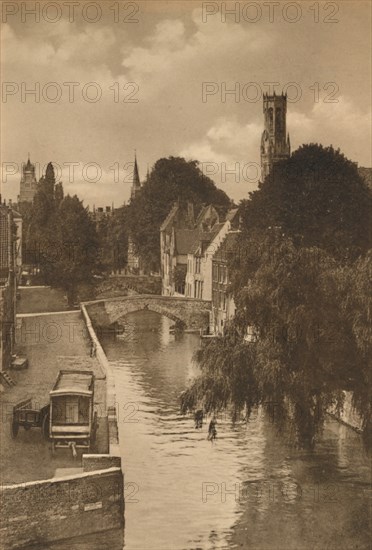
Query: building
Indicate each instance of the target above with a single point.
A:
(101, 213)
(199, 264)
(134, 263)
(223, 306)
(177, 235)
(136, 184)
(18, 222)
(187, 245)
(7, 285)
(28, 184)
(275, 143)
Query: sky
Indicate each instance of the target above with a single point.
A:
(111, 77)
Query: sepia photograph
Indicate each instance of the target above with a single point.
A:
(186, 275)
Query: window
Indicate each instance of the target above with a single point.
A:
(215, 272)
(270, 118)
(197, 264)
(278, 119)
(70, 410)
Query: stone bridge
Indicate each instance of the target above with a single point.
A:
(194, 314)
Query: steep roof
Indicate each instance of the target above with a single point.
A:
(228, 247)
(205, 237)
(185, 239)
(170, 218)
(231, 214)
(206, 211)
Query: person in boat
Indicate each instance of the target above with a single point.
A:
(212, 431)
(198, 417)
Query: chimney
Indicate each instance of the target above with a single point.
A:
(190, 212)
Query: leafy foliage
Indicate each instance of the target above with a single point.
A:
(60, 236)
(318, 198)
(308, 300)
(170, 180)
(112, 235)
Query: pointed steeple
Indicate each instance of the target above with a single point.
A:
(28, 165)
(136, 185)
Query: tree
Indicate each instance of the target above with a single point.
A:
(76, 254)
(170, 180)
(113, 240)
(40, 223)
(318, 198)
(306, 294)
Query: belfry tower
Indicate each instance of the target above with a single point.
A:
(28, 185)
(275, 144)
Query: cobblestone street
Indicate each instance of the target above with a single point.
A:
(51, 342)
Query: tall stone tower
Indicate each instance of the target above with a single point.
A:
(28, 185)
(275, 144)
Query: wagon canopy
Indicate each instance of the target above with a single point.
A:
(73, 382)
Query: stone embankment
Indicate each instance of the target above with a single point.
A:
(45, 498)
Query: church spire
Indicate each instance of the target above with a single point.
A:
(136, 185)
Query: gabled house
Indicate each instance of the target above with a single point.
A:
(177, 233)
(199, 261)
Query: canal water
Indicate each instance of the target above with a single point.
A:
(250, 489)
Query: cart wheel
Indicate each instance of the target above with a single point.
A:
(45, 426)
(14, 429)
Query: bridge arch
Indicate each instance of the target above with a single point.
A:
(194, 314)
(132, 307)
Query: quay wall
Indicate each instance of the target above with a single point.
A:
(90, 501)
(110, 386)
(38, 512)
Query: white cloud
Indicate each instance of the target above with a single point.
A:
(342, 124)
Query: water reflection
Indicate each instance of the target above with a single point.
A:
(249, 489)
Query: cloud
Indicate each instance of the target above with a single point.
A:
(342, 124)
(169, 54)
(229, 153)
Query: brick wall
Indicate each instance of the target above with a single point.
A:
(44, 511)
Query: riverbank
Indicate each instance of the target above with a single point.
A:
(250, 488)
(51, 343)
(44, 497)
